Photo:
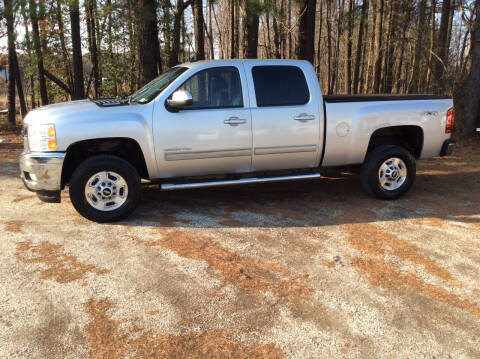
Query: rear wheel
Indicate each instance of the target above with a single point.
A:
(388, 172)
(105, 188)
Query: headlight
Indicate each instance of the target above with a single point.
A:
(42, 138)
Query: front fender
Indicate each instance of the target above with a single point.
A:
(126, 122)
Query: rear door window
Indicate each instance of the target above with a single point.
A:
(280, 86)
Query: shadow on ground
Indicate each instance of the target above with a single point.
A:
(324, 202)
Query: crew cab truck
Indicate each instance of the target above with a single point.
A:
(213, 123)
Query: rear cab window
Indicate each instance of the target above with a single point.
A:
(280, 86)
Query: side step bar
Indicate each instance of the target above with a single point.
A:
(174, 186)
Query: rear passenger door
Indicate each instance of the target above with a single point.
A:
(285, 117)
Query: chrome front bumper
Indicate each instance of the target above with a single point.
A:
(42, 171)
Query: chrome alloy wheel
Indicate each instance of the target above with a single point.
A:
(106, 191)
(392, 174)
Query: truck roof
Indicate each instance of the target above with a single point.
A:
(234, 61)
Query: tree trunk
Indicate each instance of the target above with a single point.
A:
(184, 55)
(236, 39)
(468, 51)
(415, 78)
(91, 11)
(32, 93)
(399, 81)
(176, 34)
(233, 53)
(390, 47)
(198, 22)
(167, 27)
(428, 75)
(389, 15)
(59, 83)
(18, 82)
(369, 68)
(177, 28)
(306, 30)
(319, 43)
(358, 55)
(377, 55)
(361, 75)
(341, 6)
(61, 30)
(111, 55)
(289, 29)
(43, 26)
(267, 41)
(329, 49)
(222, 49)
(210, 31)
(440, 62)
(348, 60)
(462, 39)
(132, 44)
(38, 51)
(29, 53)
(282, 32)
(78, 86)
(12, 51)
(276, 34)
(11, 61)
(148, 45)
(12, 111)
(252, 22)
(472, 102)
(450, 26)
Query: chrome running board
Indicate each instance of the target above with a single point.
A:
(174, 186)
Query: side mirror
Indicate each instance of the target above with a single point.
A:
(180, 99)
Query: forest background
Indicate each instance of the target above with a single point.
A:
(57, 50)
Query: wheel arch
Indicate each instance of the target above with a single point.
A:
(123, 147)
(410, 137)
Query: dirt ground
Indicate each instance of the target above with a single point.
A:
(312, 269)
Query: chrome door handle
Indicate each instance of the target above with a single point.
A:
(234, 121)
(304, 117)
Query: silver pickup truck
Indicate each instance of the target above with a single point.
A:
(215, 123)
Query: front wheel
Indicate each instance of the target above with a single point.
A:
(388, 172)
(105, 188)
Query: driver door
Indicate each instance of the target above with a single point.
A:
(214, 134)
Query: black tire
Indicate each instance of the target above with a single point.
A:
(97, 164)
(369, 174)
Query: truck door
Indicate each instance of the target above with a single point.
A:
(214, 134)
(285, 117)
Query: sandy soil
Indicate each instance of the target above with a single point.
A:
(309, 269)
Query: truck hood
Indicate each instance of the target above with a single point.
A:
(90, 110)
(50, 113)
(88, 119)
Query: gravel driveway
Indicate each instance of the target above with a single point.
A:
(308, 269)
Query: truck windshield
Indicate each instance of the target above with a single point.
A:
(157, 85)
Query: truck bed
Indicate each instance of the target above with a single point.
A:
(386, 97)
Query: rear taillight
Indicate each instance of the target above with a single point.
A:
(450, 120)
